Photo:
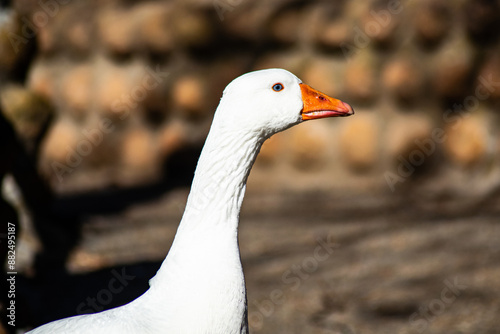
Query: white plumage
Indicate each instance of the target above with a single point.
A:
(200, 286)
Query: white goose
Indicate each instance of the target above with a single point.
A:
(200, 287)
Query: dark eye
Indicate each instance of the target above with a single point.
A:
(278, 87)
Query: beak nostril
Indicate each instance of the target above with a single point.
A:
(322, 98)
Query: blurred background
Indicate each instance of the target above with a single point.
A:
(106, 105)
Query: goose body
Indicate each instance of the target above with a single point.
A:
(200, 287)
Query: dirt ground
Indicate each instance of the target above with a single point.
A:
(314, 263)
(378, 267)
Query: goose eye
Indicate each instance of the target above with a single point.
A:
(278, 87)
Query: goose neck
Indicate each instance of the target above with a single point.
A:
(220, 179)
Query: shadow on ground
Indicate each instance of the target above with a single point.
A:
(314, 263)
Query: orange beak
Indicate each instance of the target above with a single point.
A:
(319, 105)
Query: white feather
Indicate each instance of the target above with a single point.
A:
(200, 286)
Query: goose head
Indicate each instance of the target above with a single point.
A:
(272, 100)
